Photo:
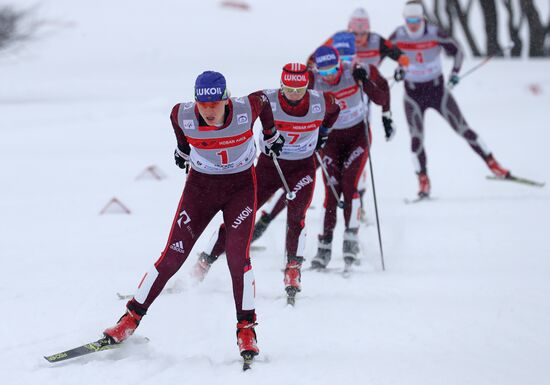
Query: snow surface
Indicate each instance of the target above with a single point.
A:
(84, 110)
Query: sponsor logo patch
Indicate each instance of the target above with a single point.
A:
(242, 217)
(242, 119)
(178, 246)
(354, 155)
(188, 125)
(303, 183)
(183, 218)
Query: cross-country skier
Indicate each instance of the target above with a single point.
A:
(304, 118)
(425, 88)
(346, 151)
(214, 137)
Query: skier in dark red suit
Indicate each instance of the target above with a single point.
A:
(304, 118)
(346, 152)
(215, 139)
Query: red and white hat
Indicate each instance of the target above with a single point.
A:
(295, 75)
(359, 21)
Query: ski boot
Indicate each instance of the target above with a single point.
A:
(350, 247)
(202, 266)
(293, 278)
(124, 328)
(324, 251)
(246, 340)
(261, 225)
(496, 168)
(424, 186)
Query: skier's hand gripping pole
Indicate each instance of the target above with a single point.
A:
(290, 195)
(329, 181)
(452, 83)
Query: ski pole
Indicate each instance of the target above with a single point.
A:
(329, 181)
(290, 195)
(481, 64)
(365, 121)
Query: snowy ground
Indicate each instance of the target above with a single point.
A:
(464, 299)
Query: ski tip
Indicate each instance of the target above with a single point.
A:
(56, 357)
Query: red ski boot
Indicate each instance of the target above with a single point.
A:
(424, 185)
(496, 168)
(246, 338)
(293, 274)
(124, 328)
(292, 278)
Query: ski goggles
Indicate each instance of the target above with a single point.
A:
(413, 20)
(347, 58)
(330, 71)
(293, 90)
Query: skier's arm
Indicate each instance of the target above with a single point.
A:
(452, 48)
(181, 154)
(375, 86)
(262, 108)
(183, 145)
(332, 110)
(388, 49)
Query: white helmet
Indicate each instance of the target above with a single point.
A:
(359, 21)
(414, 10)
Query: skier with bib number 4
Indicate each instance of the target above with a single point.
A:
(304, 118)
(425, 88)
(215, 139)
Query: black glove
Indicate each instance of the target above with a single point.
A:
(322, 139)
(360, 74)
(399, 74)
(389, 127)
(182, 159)
(274, 145)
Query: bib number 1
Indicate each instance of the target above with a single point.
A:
(223, 155)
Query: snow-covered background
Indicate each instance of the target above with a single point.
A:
(464, 300)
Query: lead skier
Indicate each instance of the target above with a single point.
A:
(214, 137)
(425, 88)
(304, 117)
